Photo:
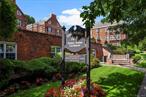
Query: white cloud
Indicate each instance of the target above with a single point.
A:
(70, 17)
(71, 12)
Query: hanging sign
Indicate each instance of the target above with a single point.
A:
(74, 44)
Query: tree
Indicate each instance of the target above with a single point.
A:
(30, 19)
(7, 19)
(132, 13)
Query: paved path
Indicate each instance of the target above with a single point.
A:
(142, 91)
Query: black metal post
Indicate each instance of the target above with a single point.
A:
(63, 57)
(88, 49)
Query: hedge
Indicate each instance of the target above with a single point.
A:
(39, 67)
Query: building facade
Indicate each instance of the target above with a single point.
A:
(41, 39)
(103, 35)
(21, 19)
(50, 26)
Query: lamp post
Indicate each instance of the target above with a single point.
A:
(63, 57)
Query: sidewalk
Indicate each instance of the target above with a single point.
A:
(142, 91)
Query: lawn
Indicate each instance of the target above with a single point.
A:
(37, 91)
(117, 82)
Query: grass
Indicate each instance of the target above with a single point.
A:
(37, 91)
(116, 81)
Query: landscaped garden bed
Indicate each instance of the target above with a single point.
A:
(115, 81)
(18, 75)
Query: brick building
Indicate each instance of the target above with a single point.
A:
(102, 35)
(37, 40)
(21, 19)
(50, 26)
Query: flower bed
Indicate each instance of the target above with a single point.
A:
(75, 88)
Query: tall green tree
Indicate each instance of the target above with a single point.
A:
(132, 13)
(7, 19)
(30, 19)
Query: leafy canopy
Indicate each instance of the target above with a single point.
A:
(7, 19)
(30, 19)
(132, 13)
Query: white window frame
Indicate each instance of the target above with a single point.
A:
(55, 49)
(19, 13)
(49, 29)
(5, 48)
(94, 52)
(19, 22)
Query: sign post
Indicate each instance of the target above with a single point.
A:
(63, 57)
(88, 50)
(75, 40)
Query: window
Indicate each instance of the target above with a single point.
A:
(55, 50)
(115, 37)
(8, 50)
(97, 30)
(94, 52)
(118, 36)
(49, 29)
(58, 32)
(1, 51)
(19, 13)
(19, 22)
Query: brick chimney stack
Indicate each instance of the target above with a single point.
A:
(53, 15)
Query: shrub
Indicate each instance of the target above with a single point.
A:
(94, 62)
(119, 51)
(74, 67)
(142, 64)
(32, 69)
(136, 58)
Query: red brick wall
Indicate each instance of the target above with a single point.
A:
(33, 44)
(98, 48)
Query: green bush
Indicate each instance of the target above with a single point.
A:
(39, 67)
(119, 51)
(32, 68)
(136, 58)
(94, 62)
(142, 64)
(74, 67)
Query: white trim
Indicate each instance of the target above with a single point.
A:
(5, 48)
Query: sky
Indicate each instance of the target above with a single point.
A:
(67, 11)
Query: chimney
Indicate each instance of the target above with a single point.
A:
(53, 15)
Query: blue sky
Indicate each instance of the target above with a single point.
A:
(67, 11)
